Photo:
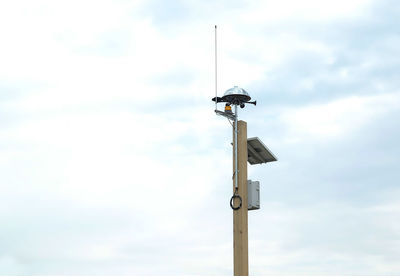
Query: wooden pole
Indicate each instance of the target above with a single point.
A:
(240, 226)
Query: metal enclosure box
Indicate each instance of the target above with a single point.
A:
(253, 195)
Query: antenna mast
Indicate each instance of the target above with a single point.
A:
(216, 87)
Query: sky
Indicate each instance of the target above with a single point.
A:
(113, 162)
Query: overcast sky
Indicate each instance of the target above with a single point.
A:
(113, 162)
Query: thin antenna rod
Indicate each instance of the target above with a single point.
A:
(216, 87)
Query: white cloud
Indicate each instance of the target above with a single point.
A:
(310, 10)
(9, 266)
(338, 118)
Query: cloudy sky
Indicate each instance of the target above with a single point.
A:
(113, 162)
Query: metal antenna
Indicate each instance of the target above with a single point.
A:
(216, 87)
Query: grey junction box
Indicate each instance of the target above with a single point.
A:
(253, 195)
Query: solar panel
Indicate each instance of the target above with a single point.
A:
(258, 153)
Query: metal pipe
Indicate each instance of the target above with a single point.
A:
(236, 151)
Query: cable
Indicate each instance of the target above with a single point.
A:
(229, 122)
(236, 195)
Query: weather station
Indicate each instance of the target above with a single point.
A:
(246, 193)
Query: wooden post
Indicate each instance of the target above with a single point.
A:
(240, 226)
